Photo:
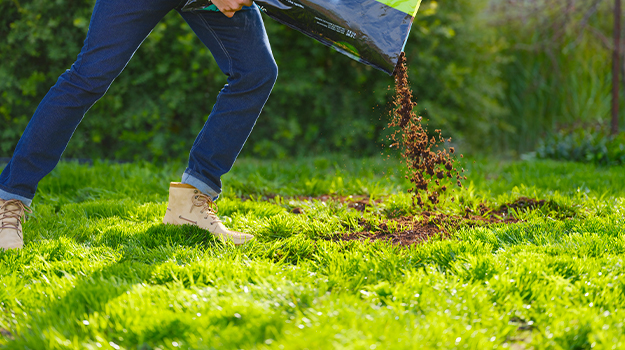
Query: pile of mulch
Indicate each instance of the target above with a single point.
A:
(6, 334)
(428, 225)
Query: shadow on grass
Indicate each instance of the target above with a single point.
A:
(141, 262)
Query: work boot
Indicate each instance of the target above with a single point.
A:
(189, 206)
(11, 217)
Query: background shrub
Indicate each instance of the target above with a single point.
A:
(559, 68)
(588, 145)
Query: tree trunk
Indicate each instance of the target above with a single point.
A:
(615, 66)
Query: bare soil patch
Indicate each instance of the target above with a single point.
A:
(408, 230)
(6, 334)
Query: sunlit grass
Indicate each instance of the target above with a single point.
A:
(99, 270)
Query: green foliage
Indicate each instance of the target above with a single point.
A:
(559, 71)
(584, 145)
(322, 102)
(99, 270)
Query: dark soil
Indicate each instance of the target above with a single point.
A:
(413, 230)
(430, 168)
(6, 334)
(421, 228)
(408, 230)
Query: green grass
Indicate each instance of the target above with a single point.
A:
(99, 270)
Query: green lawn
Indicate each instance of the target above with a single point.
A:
(100, 271)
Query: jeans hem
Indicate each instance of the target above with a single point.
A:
(4, 195)
(192, 178)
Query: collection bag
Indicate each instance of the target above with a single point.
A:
(373, 32)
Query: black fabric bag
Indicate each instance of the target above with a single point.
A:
(370, 31)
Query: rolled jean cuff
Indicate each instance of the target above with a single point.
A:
(4, 195)
(200, 185)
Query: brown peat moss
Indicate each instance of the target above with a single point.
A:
(431, 168)
(405, 229)
(408, 230)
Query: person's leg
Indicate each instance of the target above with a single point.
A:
(116, 30)
(241, 49)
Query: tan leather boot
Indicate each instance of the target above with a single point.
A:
(11, 217)
(189, 206)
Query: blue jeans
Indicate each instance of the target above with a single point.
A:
(117, 28)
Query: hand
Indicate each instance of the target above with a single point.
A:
(229, 7)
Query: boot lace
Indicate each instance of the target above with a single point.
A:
(14, 213)
(208, 207)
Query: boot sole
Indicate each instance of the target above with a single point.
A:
(172, 220)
